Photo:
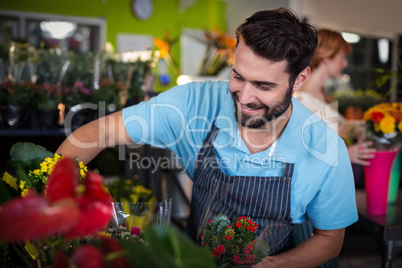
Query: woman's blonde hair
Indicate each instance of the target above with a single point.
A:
(329, 44)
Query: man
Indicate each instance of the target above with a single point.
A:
(249, 147)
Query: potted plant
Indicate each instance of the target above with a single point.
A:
(14, 103)
(353, 103)
(46, 101)
(74, 99)
(109, 95)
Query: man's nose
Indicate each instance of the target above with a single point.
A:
(247, 94)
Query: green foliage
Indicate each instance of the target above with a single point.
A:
(80, 69)
(77, 94)
(140, 69)
(386, 76)
(47, 97)
(167, 247)
(17, 94)
(109, 92)
(27, 155)
(360, 98)
(50, 63)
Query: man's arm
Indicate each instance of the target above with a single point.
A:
(90, 139)
(318, 249)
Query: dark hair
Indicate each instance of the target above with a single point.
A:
(279, 35)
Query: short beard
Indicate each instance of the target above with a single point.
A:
(270, 114)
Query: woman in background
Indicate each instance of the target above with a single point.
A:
(328, 62)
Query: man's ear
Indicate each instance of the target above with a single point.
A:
(301, 78)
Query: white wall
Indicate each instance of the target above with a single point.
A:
(376, 18)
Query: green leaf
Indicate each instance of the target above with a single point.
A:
(167, 247)
(28, 155)
(22, 176)
(261, 250)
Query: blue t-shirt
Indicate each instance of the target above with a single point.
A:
(179, 119)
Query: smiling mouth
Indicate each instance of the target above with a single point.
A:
(251, 107)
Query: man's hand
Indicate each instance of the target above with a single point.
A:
(321, 247)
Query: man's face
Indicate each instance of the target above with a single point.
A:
(259, 87)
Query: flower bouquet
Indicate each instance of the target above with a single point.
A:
(384, 128)
(219, 53)
(384, 125)
(233, 243)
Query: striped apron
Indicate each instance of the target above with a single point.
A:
(266, 200)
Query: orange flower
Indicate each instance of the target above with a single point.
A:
(162, 46)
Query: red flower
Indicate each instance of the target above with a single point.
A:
(377, 116)
(111, 245)
(136, 230)
(63, 181)
(236, 259)
(218, 250)
(63, 210)
(211, 220)
(95, 205)
(251, 228)
(32, 217)
(238, 224)
(228, 237)
(87, 256)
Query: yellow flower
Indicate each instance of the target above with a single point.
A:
(22, 184)
(400, 126)
(57, 157)
(36, 172)
(10, 180)
(24, 192)
(139, 189)
(43, 167)
(83, 169)
(134, 197)
(51, 167)
(387, 124)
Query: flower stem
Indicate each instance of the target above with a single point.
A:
(29, 265)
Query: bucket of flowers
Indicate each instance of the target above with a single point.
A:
(384, 128)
